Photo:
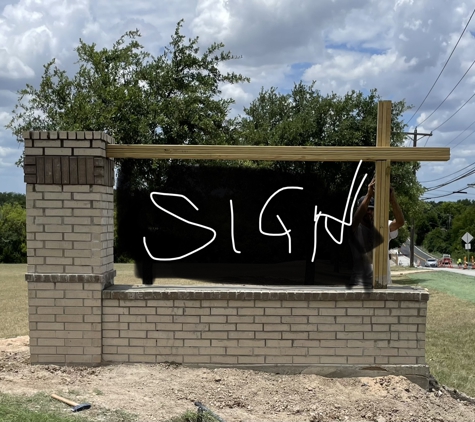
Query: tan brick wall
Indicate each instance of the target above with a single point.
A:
(65, 322)
(70, 229)
(178, 326)
(70, 235)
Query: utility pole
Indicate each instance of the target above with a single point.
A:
(415, 134)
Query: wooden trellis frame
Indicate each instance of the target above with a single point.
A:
(382, 154)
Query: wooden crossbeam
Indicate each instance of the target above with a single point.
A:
(280, 153)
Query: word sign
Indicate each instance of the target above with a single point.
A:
(286, 232)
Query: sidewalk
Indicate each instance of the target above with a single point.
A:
(404, 262)
(457, 270)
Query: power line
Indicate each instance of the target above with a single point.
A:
(461, 133)
(468, 173)
(443, 123)
(449, 191)
(448, 183)
(435, 197)
(448, 95)
(443, 177)
(463, 176)
(463, 105)
(468, 136)
(461, 35)
(443, 196)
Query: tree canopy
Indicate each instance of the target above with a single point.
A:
(12, 227)
(13, 198)
(441, 226)
(12, 233)
(136, 97)
(306, 117)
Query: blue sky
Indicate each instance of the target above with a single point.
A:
(396, 46)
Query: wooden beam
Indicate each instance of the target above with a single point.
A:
(381, 197)
(280, 153)
(381, 216)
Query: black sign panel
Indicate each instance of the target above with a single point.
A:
(243, 224)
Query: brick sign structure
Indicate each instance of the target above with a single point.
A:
(78, 316)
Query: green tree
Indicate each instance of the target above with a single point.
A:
(426, 221)
(12, 233)
(305, 117)
(13, 198)
(441, 226)
(174, 98)
(438, 241)
(462, 223)
(135, 97)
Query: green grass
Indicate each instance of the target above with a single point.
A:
(42, 408)
(13, 301)
(454, 284)
(22, 409)
(450, 339)
(193, 417)
(450, 336)
(396, 268)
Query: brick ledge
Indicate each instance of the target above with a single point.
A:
(106, 278)
(318, 293)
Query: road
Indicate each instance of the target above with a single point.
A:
(419, 255)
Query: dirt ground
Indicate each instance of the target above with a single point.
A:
(159, 392)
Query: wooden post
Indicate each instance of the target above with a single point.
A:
(381, 197)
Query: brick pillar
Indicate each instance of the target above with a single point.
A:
(70, 235)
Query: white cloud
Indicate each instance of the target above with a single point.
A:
(37, 40)
(32, 32)
(4, 118)
(11, 67)
(351, 66)
(396, 46)
(271, 31)
(459, 162)
(20, 14)
(237, 93)
(435, 170)
(5, 152)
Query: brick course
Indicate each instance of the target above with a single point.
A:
(52, 158)
(187, 326)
